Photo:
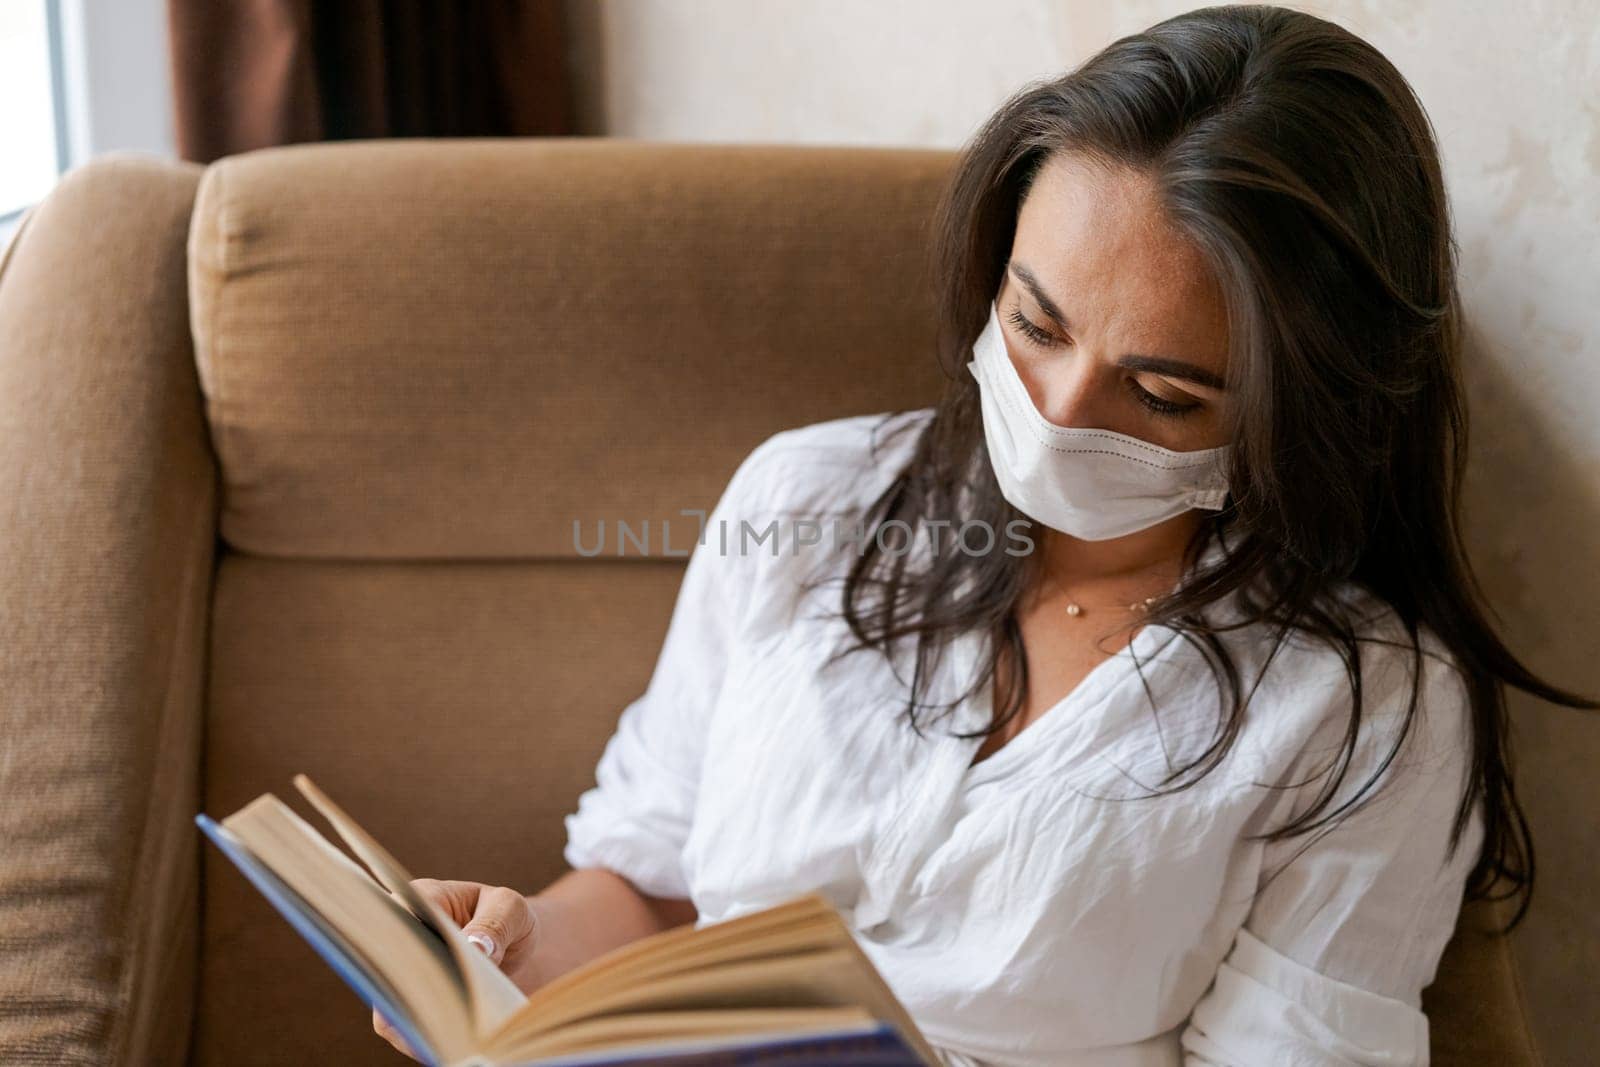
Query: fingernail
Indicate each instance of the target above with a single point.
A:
(484, 942)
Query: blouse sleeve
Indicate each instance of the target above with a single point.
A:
(1330, 963)
(635, 820)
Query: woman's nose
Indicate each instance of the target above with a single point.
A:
(1069, 394)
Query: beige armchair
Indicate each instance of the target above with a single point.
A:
(291, 449)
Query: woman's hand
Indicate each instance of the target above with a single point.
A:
(501, 922)
(578, 917)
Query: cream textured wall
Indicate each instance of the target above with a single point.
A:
(1513, 90)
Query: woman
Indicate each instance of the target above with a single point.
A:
(1154, 717)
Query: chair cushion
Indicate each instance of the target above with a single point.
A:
(409, 351)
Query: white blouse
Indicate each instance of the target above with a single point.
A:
(1030, 909)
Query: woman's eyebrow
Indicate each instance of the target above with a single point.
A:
(1048, 306)
(1166, 366)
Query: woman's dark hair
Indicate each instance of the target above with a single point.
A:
(1300, 163)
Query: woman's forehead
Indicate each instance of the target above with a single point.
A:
(1097, 240)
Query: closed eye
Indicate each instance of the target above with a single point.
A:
(1156, 405)
(1160, 405)
(1036, 334)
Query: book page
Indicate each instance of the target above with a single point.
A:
(346, 960)
(400, 948)
(495, 997)
(661, 953)
(658, 1032)
(827, 978)
(797, 954)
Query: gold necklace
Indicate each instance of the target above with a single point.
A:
(1076, 609)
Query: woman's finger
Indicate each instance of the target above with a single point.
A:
(390, 1034)
(457, 899)
(500, 920)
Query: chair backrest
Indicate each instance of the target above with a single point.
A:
(423, 363)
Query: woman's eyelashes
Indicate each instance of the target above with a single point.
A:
(1156, 405)
(1160, 405)
(1033, 333)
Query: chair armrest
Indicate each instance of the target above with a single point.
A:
(107, 531)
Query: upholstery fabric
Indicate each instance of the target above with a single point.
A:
(397, 368)
(1475, 1008)
(107, 518)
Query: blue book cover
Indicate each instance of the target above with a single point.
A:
(875, 1045)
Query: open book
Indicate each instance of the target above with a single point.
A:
(788, 984)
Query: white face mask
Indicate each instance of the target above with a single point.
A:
(1092, 484)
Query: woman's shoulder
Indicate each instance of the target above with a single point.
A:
(796, 507)
(1414, 694)
(1305, 659)
(1392, 656)
(836, 466)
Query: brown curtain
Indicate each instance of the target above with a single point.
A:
(252, 73)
